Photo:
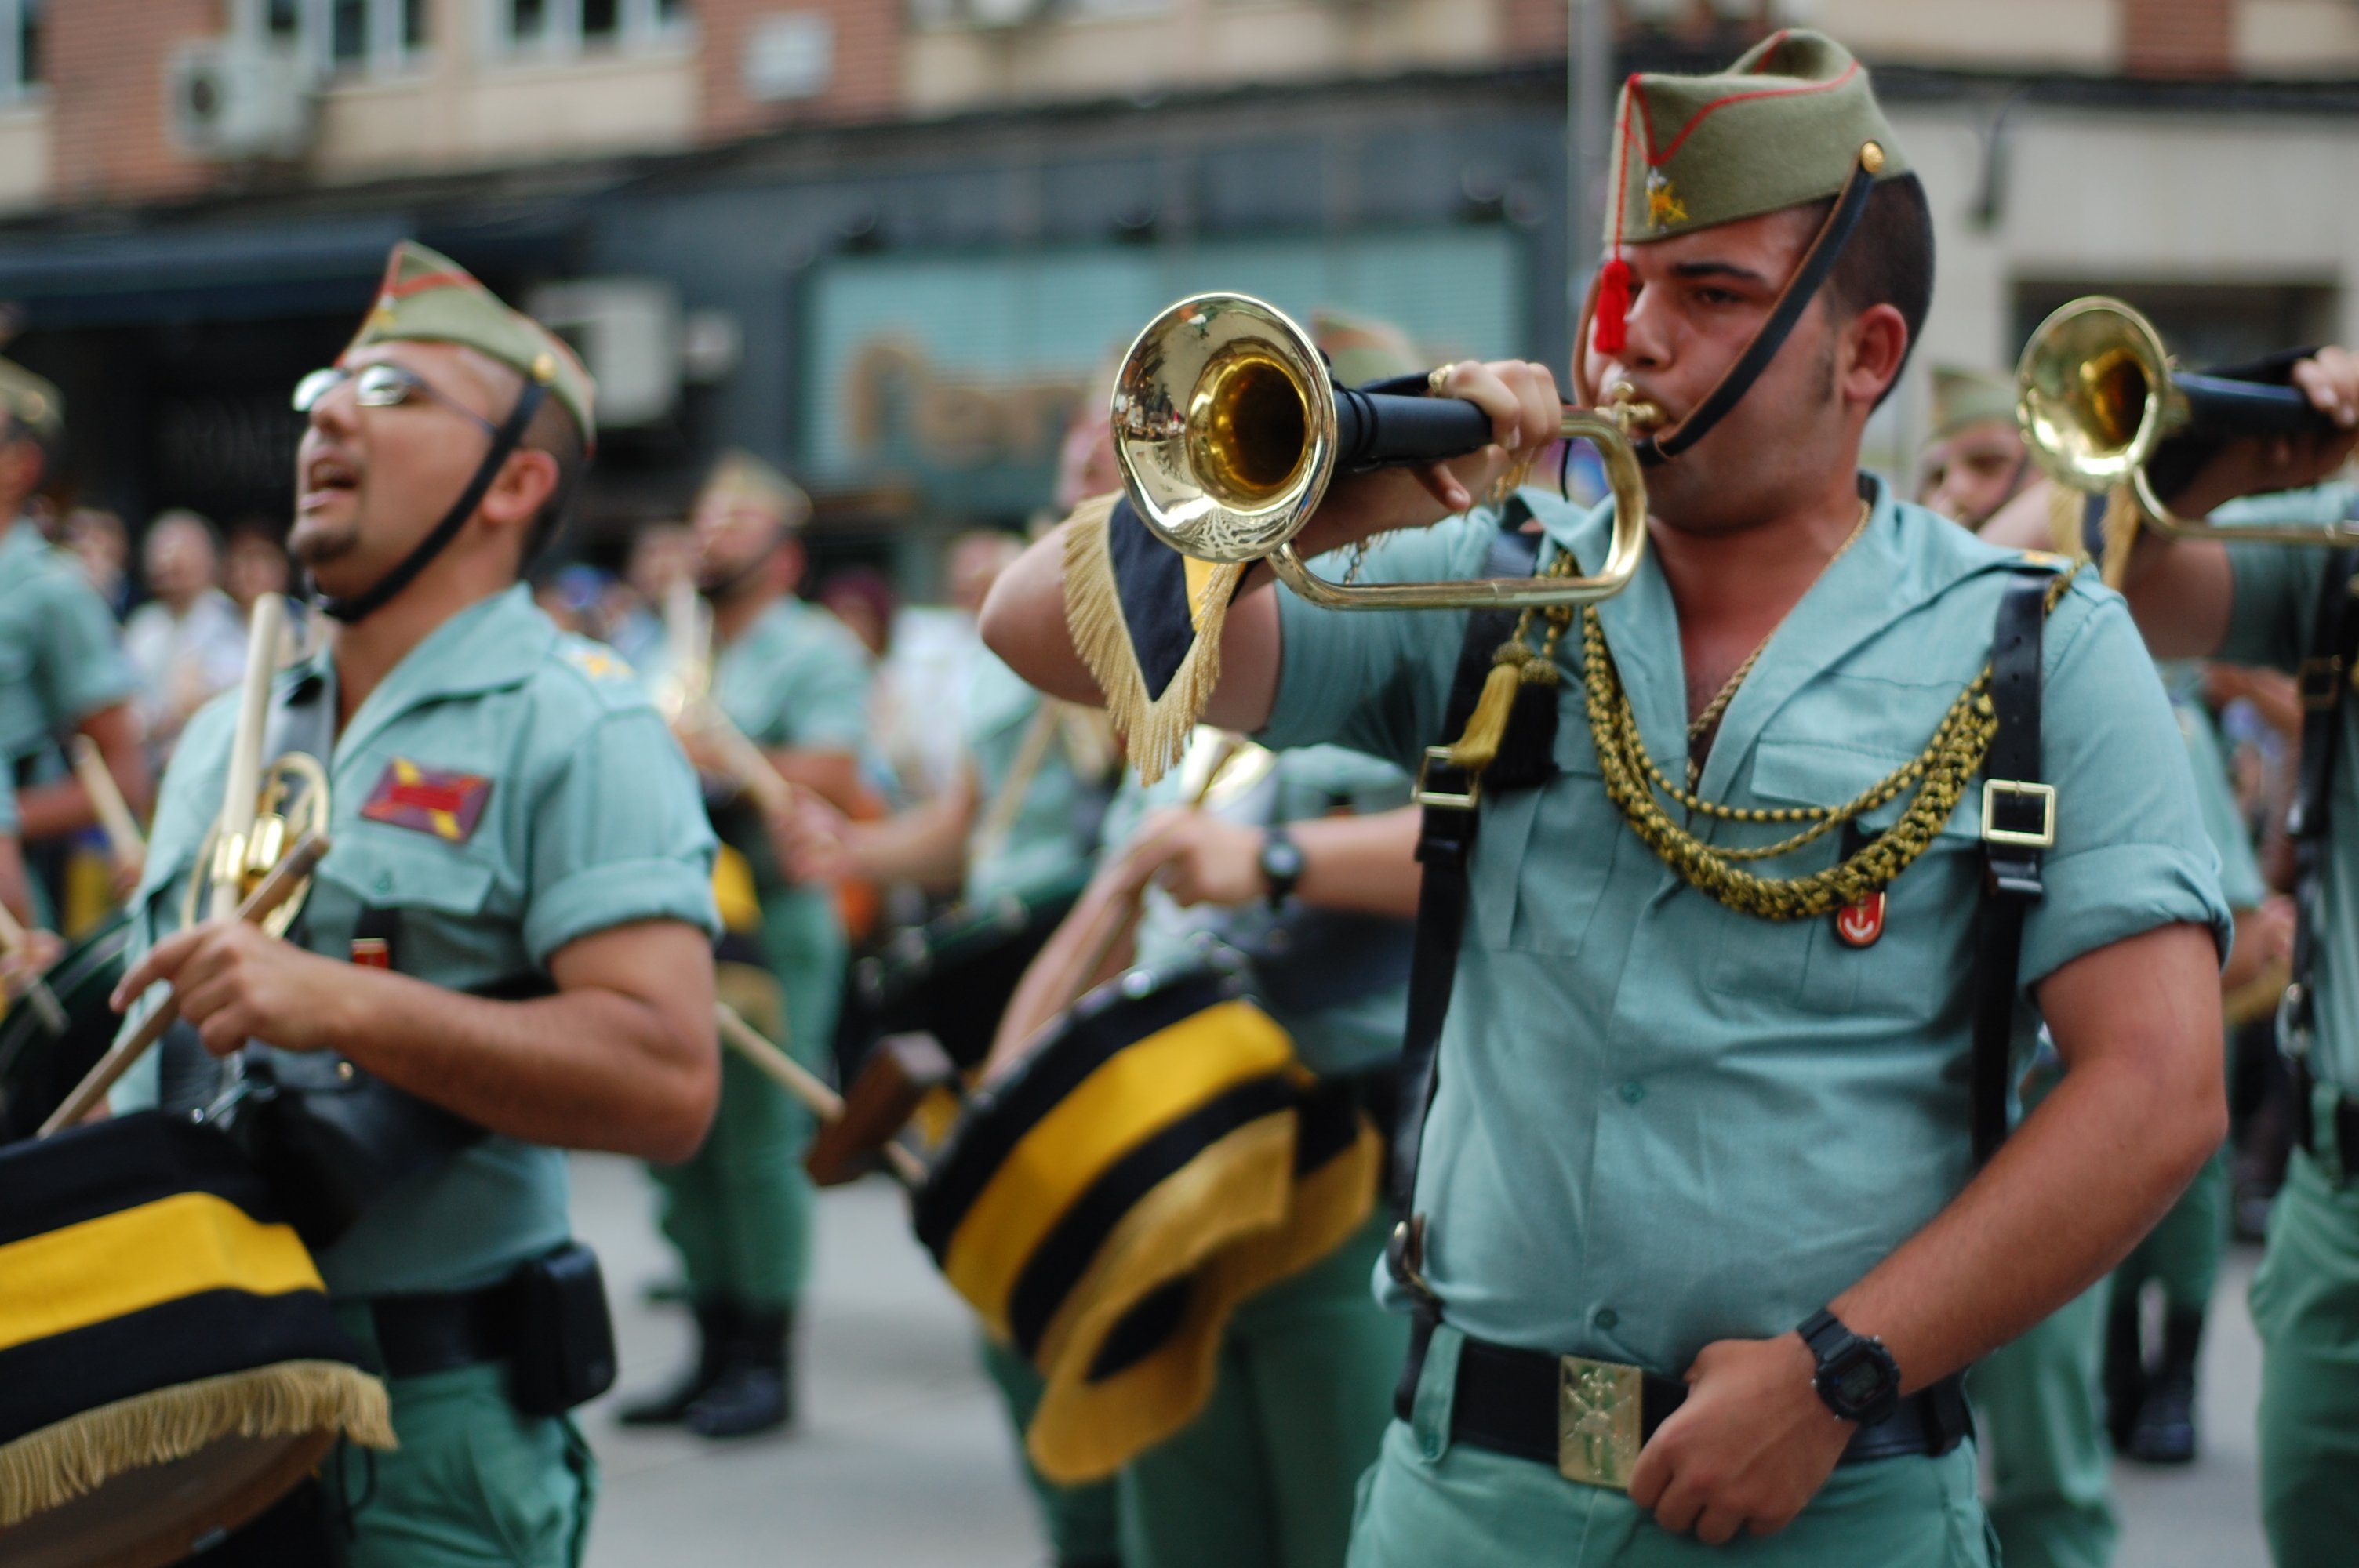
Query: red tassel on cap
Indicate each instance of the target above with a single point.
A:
(1612, 307)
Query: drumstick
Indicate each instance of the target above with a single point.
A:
(123, 839)
(803, 1083)
(37, 995)
(275, 888)
(1231, 748)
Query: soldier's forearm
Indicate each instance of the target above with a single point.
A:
(52, 810)
(590, 1068)
(2140, 1108)
(1023, 621)
(1364, 865)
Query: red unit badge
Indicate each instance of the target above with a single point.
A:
(1861, 925)
(428, 800)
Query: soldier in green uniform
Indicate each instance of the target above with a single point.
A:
(1265, 1475)
(794, 681)
(62, 670)
(1698, 1173)
(513, 926)
(1021, 821)
(2260, 604)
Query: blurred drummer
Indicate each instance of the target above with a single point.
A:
(57, 639)
(795, 682)
(514, 926)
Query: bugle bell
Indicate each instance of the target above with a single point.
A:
(2098, 399)
(1228, 428)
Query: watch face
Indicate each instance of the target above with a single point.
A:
(1283, 860)
(1857, 1379)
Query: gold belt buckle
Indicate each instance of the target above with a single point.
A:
(1597, 1425)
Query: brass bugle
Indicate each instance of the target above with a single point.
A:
(1228, 429)
(2098, 398)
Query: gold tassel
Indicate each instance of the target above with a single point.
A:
(2123, 520)
(1155, 729)
(1486, 728)
(67, 1459)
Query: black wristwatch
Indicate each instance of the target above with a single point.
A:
(1281, 864)
(1857, 1378)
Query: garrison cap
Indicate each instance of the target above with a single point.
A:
(1780, 127)
(740, 481)
(31, 401)
(1964, 397)
(428, 297)
(1363, 348)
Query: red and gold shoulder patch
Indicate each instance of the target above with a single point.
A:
(428, 800)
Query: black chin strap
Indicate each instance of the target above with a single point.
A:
(1817, 263)
(362, 605)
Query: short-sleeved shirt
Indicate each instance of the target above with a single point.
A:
(1052, 826)
(2271, 622)
(565, 809)
(796, 679)
(1351, 1035)
(60, 658)
(1661, 1123)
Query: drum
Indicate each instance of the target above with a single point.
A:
(951, 978)
(39, 1069)
(1105, 1207)
(168, 1363)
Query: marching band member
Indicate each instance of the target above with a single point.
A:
(1700, 1241)
(507, 952)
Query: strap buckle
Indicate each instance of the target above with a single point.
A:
(2043, 838)
(2319, 683)
(1447, 800)
(1404, 1257)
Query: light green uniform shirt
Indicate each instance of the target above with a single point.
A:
(1348, 1037)
(1053, 830)
(2274, 609)
(796, 679)
(589, 819)
(2216, 795)
(61, 655)
(1660, 1123)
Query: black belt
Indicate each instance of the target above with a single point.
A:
(2305, 1121)
(1506, 1401)
(423, 1334)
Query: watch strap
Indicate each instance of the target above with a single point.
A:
(1281, 864)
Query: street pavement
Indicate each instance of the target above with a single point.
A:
(901, 1457)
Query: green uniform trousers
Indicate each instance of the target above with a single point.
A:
(1264, 1478)
(473, 1484)
(1078, 1520)
(2306, 1305)
(740, 1208)
(2037, 1407)
(1431, 1501)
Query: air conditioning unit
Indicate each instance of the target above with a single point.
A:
(239, 98)
(631, 336)
(1002, 14)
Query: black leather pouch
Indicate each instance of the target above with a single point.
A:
(565, 1339)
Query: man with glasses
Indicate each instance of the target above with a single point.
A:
(62, 670)
(507, 951)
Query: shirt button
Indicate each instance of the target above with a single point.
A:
(384, 882)
(1634, 1091)
(1606, 1318)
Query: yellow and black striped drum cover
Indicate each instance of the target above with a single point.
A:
(168, 1362)
(1106, 1207)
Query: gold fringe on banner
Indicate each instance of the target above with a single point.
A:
(48, 1468)
(1154, 729)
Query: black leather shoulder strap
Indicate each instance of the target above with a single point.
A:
(2018, 826)
(1445, 848)
(2323, 683)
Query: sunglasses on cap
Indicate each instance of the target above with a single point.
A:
(379, 385)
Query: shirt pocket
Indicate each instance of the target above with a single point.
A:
(1913, 969)
(447, 931)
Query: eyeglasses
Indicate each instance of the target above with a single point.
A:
(379, 385)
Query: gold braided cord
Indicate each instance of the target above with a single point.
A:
(1940, 774)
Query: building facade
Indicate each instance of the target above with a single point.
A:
(888, 242)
